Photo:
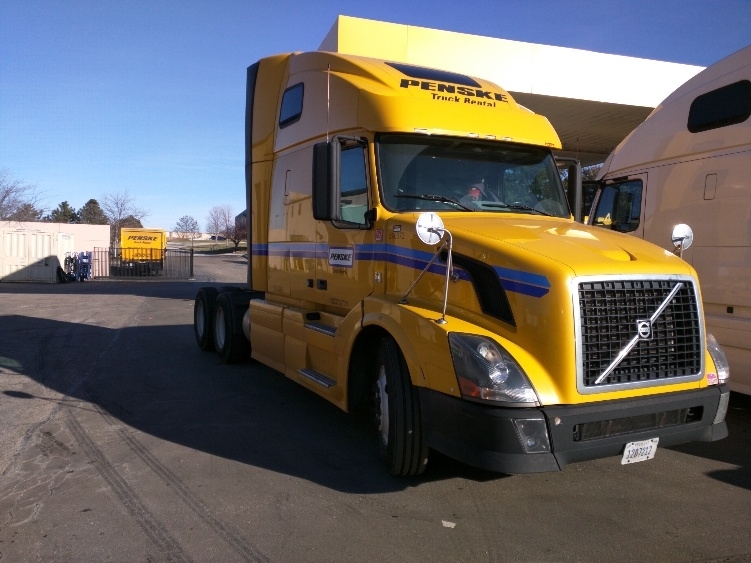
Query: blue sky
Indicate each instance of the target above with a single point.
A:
(103, 96)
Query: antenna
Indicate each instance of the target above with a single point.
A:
(328, 99)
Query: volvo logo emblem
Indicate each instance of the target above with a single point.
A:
(644, 329)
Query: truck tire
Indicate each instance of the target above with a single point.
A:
(203, 317)
(229, 340)
(397, 414)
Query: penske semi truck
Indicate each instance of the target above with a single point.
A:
(690, 163)
(413, 257)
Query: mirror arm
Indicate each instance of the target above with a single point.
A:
(448, 245)
(403, 300)
(442, 320)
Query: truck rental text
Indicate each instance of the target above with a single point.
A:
(415, 258)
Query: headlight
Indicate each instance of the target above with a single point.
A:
(719, 359)
(488, 372)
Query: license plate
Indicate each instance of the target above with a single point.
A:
(635, 452)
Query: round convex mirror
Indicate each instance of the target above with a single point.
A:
(429, 228)
(682, 236)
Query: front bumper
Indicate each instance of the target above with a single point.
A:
(484, 435)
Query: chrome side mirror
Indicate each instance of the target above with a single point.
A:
(682, 238)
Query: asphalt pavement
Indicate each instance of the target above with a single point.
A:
(121, 441)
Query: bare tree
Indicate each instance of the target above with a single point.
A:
(18, 200)
(213, 221)
(219, 220)
(187, 227)
(119, 207)
(237, 233)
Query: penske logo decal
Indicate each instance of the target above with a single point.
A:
(141, 237)
(457, 94)
(341, 257)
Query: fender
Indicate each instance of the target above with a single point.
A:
(422, 341)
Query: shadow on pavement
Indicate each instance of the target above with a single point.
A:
(732, 450)
(155, 379)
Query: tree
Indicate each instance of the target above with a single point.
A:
(91, 213)
(187, 227)
(220, 219)
(213, 221)
(27, 212)
(130, 222)
(591, 172)
(237, 233)
(121, 211)
(63, 213)
(18, 198)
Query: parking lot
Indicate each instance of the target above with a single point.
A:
(121, 441)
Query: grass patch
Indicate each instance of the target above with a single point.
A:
(213, 246)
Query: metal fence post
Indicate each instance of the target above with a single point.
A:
(191, 263)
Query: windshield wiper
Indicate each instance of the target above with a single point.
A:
(516, 206)
(440, 198)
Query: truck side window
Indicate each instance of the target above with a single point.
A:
(724, 106)
(619, 206)
(291, 109)
(353, 201)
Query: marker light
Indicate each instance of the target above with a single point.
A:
(719, 359)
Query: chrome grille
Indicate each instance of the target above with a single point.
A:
(609, 315)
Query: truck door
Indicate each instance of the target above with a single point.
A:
(344, 259)
(619, 206)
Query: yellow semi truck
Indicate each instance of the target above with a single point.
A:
(142, 251)
(412, 255)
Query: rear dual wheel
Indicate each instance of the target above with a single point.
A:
(229, 340)
(203, 317)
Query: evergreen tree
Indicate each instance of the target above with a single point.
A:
(63, 213)
(92, 214)
(26, 212)
(130, 222)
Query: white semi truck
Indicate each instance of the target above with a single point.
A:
(690, 163)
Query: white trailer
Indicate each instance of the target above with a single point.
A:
(31, 255)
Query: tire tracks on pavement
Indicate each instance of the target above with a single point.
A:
(231, 536)
(169, 547)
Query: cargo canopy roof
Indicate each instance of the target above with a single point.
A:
(592, 99)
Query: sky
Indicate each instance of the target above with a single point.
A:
(147, 96)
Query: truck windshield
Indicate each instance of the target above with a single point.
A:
(444, 174)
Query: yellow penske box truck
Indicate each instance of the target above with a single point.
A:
(690, 163)
(142, 251)
(413, 256)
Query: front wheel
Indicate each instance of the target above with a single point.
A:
(397, 414)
